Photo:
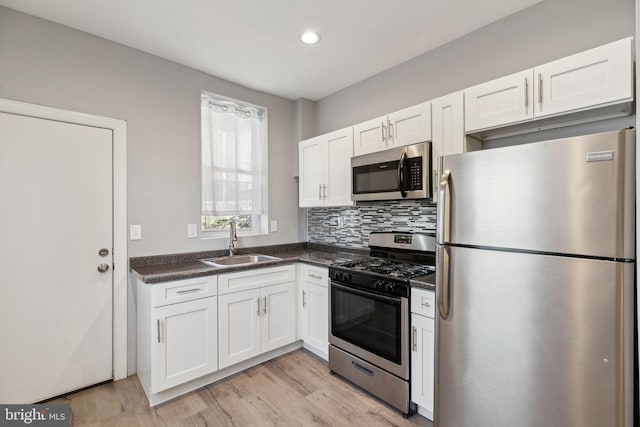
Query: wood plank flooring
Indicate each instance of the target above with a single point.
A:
(293, 390)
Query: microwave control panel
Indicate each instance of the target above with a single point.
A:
(414, 169)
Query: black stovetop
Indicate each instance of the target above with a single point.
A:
(387, 267)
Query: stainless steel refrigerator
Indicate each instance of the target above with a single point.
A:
(535, 284)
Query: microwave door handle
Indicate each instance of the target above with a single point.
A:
(402, 175)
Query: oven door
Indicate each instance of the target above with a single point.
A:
(371, 326)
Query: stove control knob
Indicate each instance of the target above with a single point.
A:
(379, 285)
(347, 277)
(390, 287)
(339, 275)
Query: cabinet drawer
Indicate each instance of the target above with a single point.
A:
(423, 302)
(255, 278)
(316, 275)
(183, 290)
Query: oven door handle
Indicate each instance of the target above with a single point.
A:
(393, 300)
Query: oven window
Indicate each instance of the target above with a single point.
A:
(381, 177)
(367, 322)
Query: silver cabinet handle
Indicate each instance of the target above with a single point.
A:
(103, 268)
(304, 298)
(315, 276)
(526, 92)
(319, 191)
(382, 129)
(158, 325)
(324, 191)
(187, 291)
(264, 309)
(415, 338)
(444, 209)
(442, 280)
(426, 304)
(539, 88)
(390, 137)
(258, 306)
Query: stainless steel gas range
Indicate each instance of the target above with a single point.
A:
(369, 314)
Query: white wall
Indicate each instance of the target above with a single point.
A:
(546, 31)
(45, 63)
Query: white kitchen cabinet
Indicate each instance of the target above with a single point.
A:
(422, 350)
(404, 127)
(596, 78)
(447, 131)
(314, 309)
(498, 102)
(325, 169)
(259, 319)
(177, 332)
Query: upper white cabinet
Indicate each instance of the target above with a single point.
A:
(408, 126)
(596, 78)
(448, 131)
(325, 169)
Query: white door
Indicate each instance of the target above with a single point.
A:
(239, 322)
(315, 316)
(422, 363)
(339, 153)
(186, 344)
(278, 316)
(56, 307)
(312, 163)
(370, 136)
(410, 125)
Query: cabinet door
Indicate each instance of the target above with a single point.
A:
(499, 102)
(278, 311)
(338, 181)
(410, 126)
(239, 326)
(313, 168)
(315, 316)
(422, 363)
(447, 130)
(370, 136)
(185, 342)
(594, 78)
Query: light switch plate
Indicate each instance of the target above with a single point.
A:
(192, 231)
(274, 225)
(135, 232)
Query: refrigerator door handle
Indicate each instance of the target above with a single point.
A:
(444, 209)
(442, 281)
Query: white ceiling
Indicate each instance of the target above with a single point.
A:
(255, 42)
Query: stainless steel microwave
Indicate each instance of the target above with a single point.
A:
(395, 174)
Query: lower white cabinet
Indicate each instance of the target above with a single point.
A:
(177, 332)
(314, 309)
(258, 320)
(186, 345)
(422, 350)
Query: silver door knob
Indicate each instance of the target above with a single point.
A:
(102, 268)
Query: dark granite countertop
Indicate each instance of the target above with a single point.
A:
(427, 282)
(164, 268)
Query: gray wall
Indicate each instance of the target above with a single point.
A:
(546, 31)
(45, 63)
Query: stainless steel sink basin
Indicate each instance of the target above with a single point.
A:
(235, 260)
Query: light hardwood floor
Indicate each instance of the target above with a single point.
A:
(293, 390)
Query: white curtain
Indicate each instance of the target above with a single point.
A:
(232, 158)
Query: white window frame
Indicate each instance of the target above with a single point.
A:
(259, 221)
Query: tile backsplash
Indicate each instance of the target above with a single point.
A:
(350, 226)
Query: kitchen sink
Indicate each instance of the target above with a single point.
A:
(235, 260)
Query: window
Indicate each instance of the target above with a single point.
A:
(234, 165)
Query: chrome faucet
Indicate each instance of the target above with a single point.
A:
(233, 237)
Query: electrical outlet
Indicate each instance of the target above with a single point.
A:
(274, 225)
(135, 232)
(192, 231)
(340, 221)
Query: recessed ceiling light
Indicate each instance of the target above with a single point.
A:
(309, 37)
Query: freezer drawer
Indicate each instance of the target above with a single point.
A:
(533, 340)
